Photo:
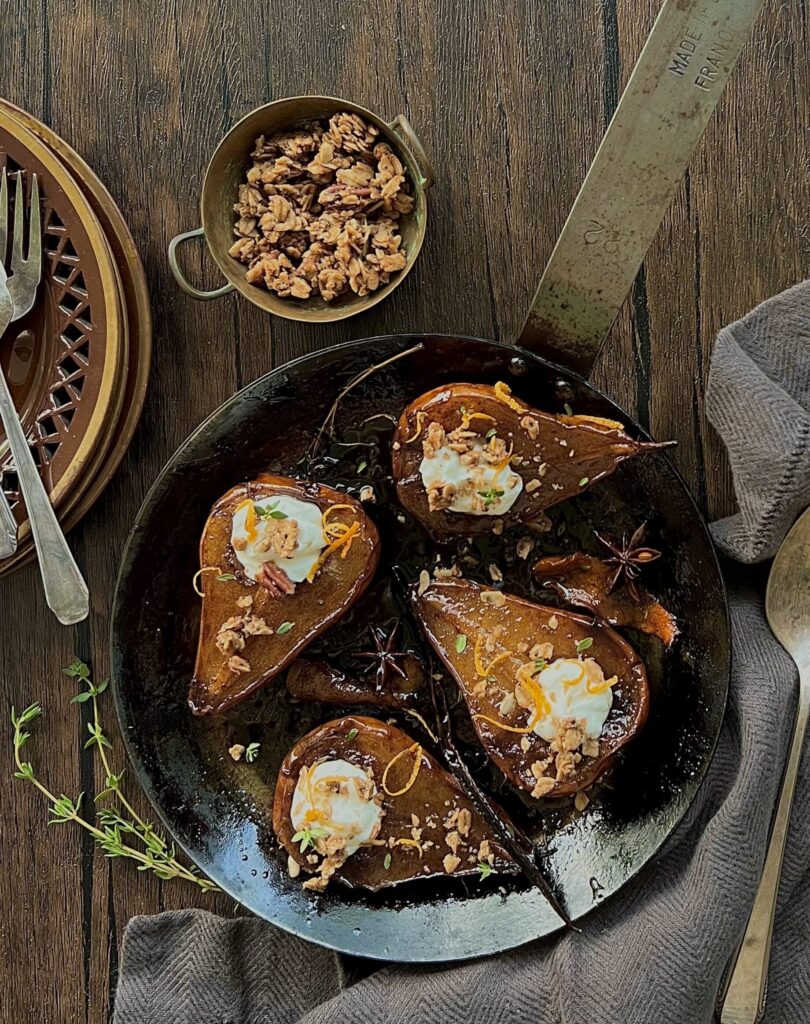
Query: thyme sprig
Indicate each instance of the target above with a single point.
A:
(117, 835)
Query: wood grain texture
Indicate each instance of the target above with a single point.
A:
(510, 100)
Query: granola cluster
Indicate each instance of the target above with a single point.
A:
(319, 210)
(234, 632)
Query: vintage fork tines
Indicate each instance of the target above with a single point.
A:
(26, 272)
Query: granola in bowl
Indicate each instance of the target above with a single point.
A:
(319, 210)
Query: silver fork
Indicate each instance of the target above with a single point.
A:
(8, 524)
(65, 589)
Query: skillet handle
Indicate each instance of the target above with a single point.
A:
(658, 123)
(179, 276)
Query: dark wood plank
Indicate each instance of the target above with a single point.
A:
(511, 100)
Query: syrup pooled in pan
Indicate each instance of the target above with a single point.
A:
(356, 459)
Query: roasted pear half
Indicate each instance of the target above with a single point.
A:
(553, 695)
(466, 454)
(361, 800)
(280, 561)
(584, 581)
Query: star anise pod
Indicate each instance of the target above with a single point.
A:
(385, 655)
(629, 558)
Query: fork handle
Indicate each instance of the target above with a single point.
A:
(8, 529)
(65, 589)
(745, 997)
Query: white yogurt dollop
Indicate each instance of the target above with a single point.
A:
(483, 489)
(248, 543)
(339, 797)
(566, 683)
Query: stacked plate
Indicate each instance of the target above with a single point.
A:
(78, 363)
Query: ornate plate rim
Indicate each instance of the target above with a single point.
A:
(137, 314)
(115, 336)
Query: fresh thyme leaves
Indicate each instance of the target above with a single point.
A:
(351, 735)
(584, 644)
(568, 410)
(461, 643)
(252, 752)
(269, 511)
(285, 627)
(307, 836)
(387, 861)
(225, 576)
(485, 869)
(491, 433)
(490, 496)
(540, 664)
(361, 465)
(583, 481)
(97, 737)
(117, 835)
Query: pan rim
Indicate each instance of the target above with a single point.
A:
(298, 926)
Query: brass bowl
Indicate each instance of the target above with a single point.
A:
(226, 172)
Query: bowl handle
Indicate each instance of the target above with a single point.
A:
(401, 126)
(188, 288)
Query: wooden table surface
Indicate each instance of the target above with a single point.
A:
(511, 100)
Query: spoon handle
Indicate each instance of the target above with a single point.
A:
(745, 997)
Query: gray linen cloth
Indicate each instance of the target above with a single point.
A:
(657, 952)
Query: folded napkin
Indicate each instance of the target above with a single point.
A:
(656, 953)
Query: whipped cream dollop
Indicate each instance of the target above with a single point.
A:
(283, 530)
(575, 689)
(339, 798)
(467, 482)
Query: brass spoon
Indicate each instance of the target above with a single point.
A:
(787, 605)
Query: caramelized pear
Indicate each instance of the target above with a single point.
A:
(584, 581)
(464, 455)
(426, 825)
(524, 669)
(255, 619)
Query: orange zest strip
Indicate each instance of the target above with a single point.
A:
(198, 573)
(468, 417)
(417, 747)
(420, 423)
(505, 461)
(334, 508)
(601, 687)
(503, 725)
(504, 394)
(480, 667)
(409, 842)
(577, 679)
(344, 538)
(498, 658)
(598, 420)
(542, 708)
(251, 519)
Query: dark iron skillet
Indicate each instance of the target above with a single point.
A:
(219, 811)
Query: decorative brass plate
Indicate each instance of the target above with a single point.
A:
(136, 308)
(63, 359)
